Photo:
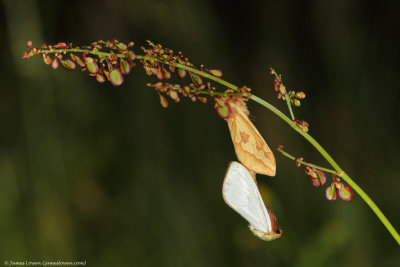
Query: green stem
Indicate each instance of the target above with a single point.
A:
(195, 71)
(344, 176)
(304, 162)
(277, 112)
(106, 54)
(289, 106)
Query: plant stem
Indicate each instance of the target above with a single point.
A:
(305, 163)
(289, 106)
(105, 54)
(344, 176)
(277, 112)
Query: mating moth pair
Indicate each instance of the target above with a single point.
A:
(240, 189)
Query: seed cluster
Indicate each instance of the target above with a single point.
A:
(162, 62)
(105, 60)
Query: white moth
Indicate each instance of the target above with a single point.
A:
(241, 193)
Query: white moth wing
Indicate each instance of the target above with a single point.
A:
(241, 193)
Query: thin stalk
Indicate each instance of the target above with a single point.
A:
(105, 54)
(277, 112)
(289, 106)
(344, 175)
(306, 163)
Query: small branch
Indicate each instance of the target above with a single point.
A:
(289, 106)
(306, 163)
(333, 163)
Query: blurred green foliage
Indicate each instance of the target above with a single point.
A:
(99, 173)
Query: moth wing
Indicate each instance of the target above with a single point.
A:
(241, 193)
(250, 147)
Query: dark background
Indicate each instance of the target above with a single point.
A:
(99, 173)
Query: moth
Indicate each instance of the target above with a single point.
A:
(250, 147)
(241, 193)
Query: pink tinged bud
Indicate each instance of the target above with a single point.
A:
(68, 64)
(298, 161)
(223, 110)
(116, 77)
(174, 95)
(78, 60)
(345, 193)
(296, 102)
(54, 64)
(158, 85)
(73, 57)
(29, 44)
(107, 74)
(321, 176)
(154, 70)
(47, 60)
(125, 67)
(304, 129)
(219, 102)
(317, 177)
(171, 68)
(159, 74)
(282, 89)
(312, 174)
(113, 57)
(166, 74)
(202, 99)
(300, 95)
(331, 193)
(122, 46)
(91, 65)
(193, 98)
(60, 45)
(196, 79)
(215, 72)
(163, 101)
(131, 55)
(303, 125)
(147, 70)
(181, 73)
(339, 185)
(100, 78)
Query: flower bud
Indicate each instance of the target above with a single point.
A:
(68, 64)
(223, 110)
(345, 193)
(163, 101)
(116, 77)
(296, 102)
(317, 177)
(54, 64)
(174, 95)
(331, 193)
(47, 60)
(282, 89)
(181, 73)
(300, 95)
(215, 72)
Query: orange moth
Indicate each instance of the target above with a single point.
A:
(250, 147)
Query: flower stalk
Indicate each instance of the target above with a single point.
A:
(118, 60)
